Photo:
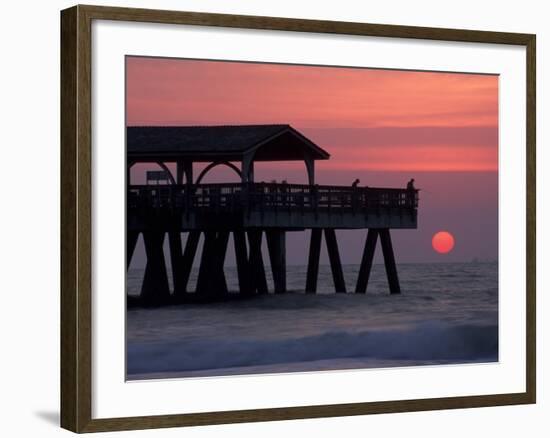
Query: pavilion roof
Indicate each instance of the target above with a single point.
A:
(224, 143)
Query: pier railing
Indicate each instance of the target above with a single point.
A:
(234, 197)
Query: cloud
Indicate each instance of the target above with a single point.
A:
(366, 118)
(233, 92)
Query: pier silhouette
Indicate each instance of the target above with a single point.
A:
(169, 205)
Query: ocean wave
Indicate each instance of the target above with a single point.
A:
(430, 341)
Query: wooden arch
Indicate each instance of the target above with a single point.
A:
(214, 164)
(161, 165)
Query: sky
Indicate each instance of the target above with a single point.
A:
(381, 126)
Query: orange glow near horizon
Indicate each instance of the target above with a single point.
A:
(366, 119)
(423, 159)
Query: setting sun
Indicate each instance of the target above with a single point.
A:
(443, 242)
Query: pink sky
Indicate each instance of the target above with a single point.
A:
(382, 126)
(367, 119)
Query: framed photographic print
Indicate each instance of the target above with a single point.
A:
(268, 218)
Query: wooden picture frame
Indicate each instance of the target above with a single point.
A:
(76, 217)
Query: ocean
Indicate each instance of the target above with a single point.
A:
(447, 314)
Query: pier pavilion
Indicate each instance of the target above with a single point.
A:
(247, 211)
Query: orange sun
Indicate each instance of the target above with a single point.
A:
(443, 242)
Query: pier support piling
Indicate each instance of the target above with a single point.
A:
(211, 281)
(176, 256)
(206, 269)
(222, 240)
(256, 261)
(187, 260)
(155, 289)
(335, 262)
(389, 260)
(313, 260)
(246, 285)
(366, 261)
(131, 241)
(276, 243)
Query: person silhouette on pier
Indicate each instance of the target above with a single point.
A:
(411, 193)
(355, 194)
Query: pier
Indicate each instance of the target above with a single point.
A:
(249, 212)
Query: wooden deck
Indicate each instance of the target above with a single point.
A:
(269, 205)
